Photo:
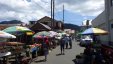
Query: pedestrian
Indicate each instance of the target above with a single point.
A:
(45, 49)
(47, 43)
(62, 45)
(66, 38)
(70, 42)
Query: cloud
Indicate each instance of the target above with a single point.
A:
(84, 7)
(26, 10)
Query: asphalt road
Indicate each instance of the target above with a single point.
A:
(55, 58)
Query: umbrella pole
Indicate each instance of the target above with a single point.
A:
(94, 38)
(26, 37)
(20, 39)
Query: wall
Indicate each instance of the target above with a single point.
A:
(100, 19)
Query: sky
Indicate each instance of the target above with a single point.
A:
(75, 11)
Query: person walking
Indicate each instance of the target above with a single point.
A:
(66, 38)
(62, 45)
(70, 42)
(45, 49)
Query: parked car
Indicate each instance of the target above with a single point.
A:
(85, 40)
(77, 38)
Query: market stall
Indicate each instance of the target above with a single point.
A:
(23, 34)
(4, 51)
(95, 47)
(32, 50)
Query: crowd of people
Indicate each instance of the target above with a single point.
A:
(65, 43)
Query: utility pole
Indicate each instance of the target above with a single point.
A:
(63, 17)
(63, 13)
(51, 13)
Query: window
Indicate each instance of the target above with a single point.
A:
(111, 1)
(111, 25)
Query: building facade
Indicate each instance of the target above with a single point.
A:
(55, 25)
(105, 21)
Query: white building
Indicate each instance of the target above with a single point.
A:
(105, 21)
(86, 24)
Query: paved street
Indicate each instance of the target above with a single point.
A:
(55, 58)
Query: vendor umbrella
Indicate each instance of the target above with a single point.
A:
(40, 37)
(42, 34)
(6, 35)
(94, 31)
(52, 33)
(60, 35)
(17, 30)
(14, 29)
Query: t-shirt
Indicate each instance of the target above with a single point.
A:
(62, 41)
(66, 39)
(47, 42)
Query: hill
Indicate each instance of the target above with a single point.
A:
(71, 26)
(11, 22)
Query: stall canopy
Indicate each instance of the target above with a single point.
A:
(94, 31)
(6, 35)
(17, 30)
(53, 33)
(42, 34)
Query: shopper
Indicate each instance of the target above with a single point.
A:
(70, 42)
(62, 45)
(45, 49)
(66, 38)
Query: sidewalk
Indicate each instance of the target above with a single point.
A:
(54, 57)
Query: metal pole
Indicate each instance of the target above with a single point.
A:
(51, 12)
(63, 13)
(63, 17)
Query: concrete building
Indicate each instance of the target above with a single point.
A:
(105, 21)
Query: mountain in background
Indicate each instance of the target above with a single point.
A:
(71, 26)
(66, 25)
(11, 22)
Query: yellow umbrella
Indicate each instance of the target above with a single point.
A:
(95, 31)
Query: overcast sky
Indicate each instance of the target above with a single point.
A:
(26, 10)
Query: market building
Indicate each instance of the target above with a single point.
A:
(105, 21)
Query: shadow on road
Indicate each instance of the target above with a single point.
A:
(74, 60)
(40, 61)
(58, 54)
